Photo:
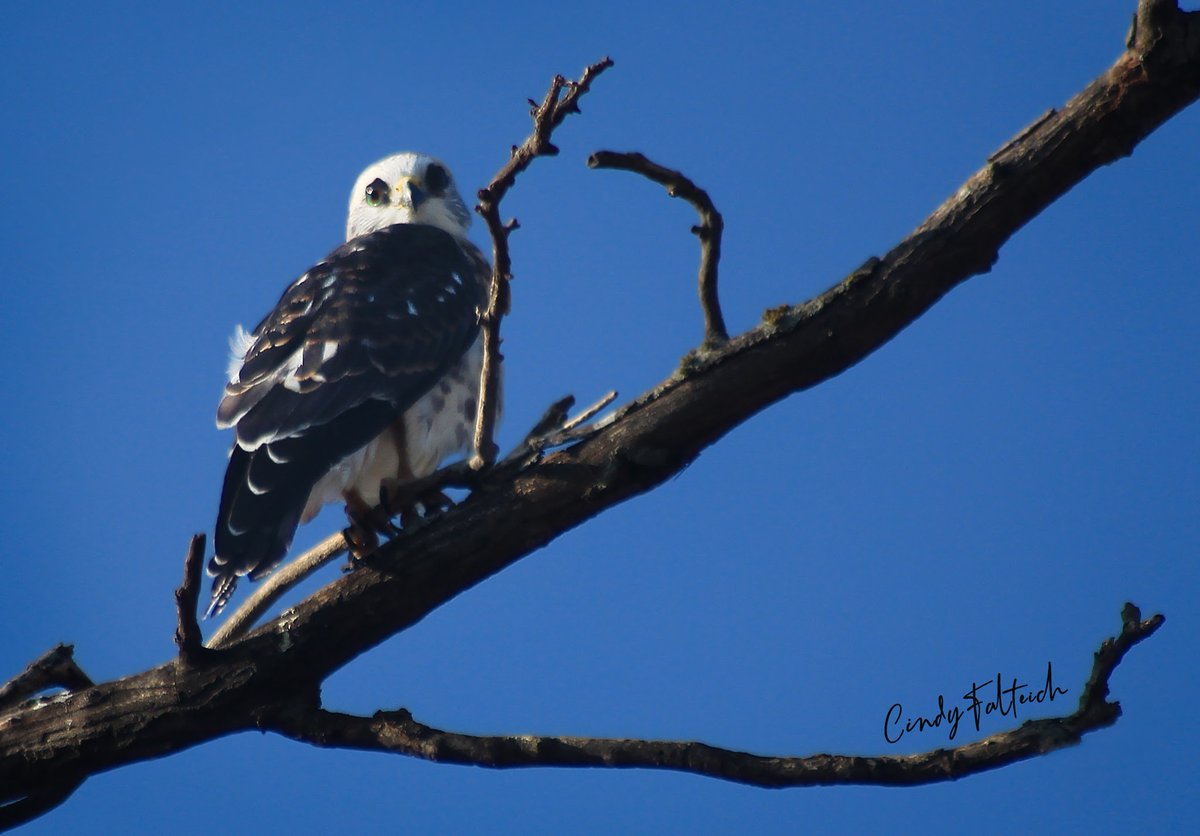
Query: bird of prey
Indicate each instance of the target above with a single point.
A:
(364, 376)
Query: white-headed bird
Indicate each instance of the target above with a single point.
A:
(365, 376)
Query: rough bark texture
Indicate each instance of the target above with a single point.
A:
(271, 679)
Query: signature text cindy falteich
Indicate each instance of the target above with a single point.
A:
(981, 701)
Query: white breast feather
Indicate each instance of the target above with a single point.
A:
(436, 427)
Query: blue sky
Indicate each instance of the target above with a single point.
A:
(981, 495)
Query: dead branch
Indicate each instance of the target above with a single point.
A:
(546, 117)
(708, 231)
(188, 637)
(37, 803)
(397, 732)
(274, 587)
(56, 668)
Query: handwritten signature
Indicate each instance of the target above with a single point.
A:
(980, 704)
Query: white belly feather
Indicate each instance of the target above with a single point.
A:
(439, 425)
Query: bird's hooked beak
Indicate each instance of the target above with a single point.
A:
(409, 192)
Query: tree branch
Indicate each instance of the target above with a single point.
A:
(546, 117)
(188, 637)
(709, 230)
(398, 733)
(54, 668)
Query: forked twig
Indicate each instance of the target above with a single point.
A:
(546, 117)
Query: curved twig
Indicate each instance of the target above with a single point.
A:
(275, 587)
(709, 230)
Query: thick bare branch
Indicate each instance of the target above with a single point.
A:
(397, 732)
(56, 668)
(546, 117)
(709, 230)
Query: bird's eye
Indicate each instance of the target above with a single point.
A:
(436, 179)
(377, 192)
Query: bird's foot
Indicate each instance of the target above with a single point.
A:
(412, 508)
(360, 541)
(366, 524)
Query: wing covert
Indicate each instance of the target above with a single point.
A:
(351, 345)
(381, 318)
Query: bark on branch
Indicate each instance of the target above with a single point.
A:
(54, 668)
(279, 666)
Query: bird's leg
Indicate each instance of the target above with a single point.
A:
(362, 535)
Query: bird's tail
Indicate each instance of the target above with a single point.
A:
(222, 591)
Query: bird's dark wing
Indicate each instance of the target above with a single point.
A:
(353, 343)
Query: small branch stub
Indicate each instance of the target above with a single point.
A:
(188, 637)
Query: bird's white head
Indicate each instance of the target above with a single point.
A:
(407, 188)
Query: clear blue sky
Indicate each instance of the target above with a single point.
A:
(981, 495)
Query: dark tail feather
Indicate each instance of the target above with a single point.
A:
(265, 492)
(223, 588)
(254, 529)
